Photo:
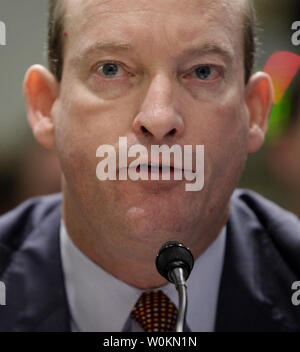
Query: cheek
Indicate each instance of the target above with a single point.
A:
(82, 125)
(234, 152)
(90, 117)
(85, 122)
(233, 136)
(223, 127)
(226, 144)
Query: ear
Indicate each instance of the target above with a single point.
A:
(41, 89)
(259, 99)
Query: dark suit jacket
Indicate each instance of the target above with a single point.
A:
(262, 260)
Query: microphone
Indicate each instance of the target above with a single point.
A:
(175, 262)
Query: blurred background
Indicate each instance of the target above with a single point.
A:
(27, 170)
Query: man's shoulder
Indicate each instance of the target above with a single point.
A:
(30, 267)
(261, 264)
(26, 216)
(20, 222)
(271, 229)
(268, 213)
(272, 217)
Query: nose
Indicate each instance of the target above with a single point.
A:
(158, 118)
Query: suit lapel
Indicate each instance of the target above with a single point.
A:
(36, 297)
(249, 284)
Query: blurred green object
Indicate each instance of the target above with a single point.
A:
(280, 117)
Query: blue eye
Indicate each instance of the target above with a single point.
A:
(109, 70)
(206, 72)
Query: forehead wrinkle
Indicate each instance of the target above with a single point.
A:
(104, 6)
(229, 14)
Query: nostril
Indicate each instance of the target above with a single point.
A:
(144, 129)
(147, 132)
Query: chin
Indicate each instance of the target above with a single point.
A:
(157, 220)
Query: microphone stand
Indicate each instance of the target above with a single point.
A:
(175, 262)
(178, 277)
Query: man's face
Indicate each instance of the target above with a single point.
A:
(177, 65)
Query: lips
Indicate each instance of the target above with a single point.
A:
(173, 165)
(155, 164)
(156, 167)
(159, 172)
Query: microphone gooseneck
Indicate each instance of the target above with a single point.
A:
(175, 262)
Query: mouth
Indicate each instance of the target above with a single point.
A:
(158, 172)
(156, 167)
(155, 177)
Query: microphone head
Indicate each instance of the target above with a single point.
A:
(174, 254)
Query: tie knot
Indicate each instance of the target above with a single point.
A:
(155, 312)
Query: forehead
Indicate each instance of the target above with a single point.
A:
(170, 22)
(77, 6)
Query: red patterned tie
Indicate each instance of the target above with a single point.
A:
(155, 312)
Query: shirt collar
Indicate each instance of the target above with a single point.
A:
(96, 297)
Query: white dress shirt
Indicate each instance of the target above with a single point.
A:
(99, 302)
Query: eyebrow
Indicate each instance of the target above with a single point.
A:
(210, 49)
(204, 49)
(102, 46)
